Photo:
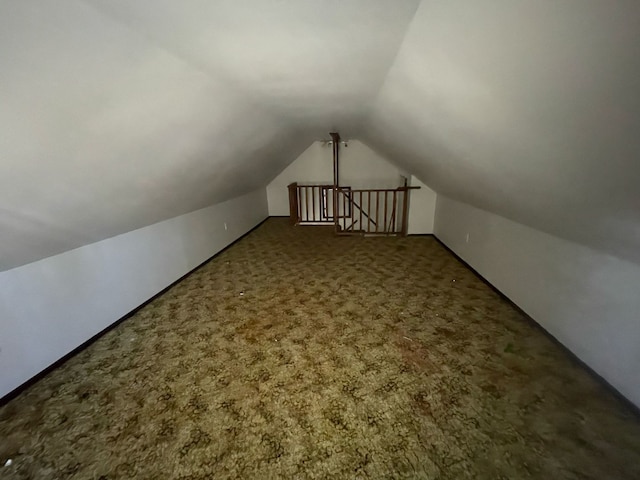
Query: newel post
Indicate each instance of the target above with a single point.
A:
(405, 204)
(294, 209)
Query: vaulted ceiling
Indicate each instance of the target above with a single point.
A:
(118, 114)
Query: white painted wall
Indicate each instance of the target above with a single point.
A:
(49, 307)
(360, 167)
(422, 208)
(587, 299)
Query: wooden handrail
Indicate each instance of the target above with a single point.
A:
(399, 189)
(316, 185)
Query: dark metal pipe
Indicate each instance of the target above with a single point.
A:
(335, 136)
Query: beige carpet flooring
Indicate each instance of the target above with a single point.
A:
(297, 354)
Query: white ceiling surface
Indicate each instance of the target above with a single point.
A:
(118, 114)
(318, 61)
(529, 109)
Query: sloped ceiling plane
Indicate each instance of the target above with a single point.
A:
(117, 114)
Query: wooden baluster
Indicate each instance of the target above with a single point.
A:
(343, 216)
(351, 199)
(360, 204)
(393, 215)
(313, 202)
(343, 209)
(369, 211)
(377, 210)
(386, 201)
(301, 195)
(337, 209)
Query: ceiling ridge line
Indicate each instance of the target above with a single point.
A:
(368, 110)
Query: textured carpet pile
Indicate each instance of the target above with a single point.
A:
(298, 354)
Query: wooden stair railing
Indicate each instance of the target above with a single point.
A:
(357, 212)
(356, 206)
(310, 204)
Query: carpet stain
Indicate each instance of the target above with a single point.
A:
(298, 354)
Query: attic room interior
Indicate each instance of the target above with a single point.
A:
(320, 239)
